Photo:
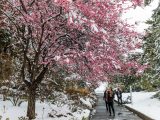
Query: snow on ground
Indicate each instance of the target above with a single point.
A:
(43, 109)
(86, 102)
(144, 103)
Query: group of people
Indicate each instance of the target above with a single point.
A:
(109, 99)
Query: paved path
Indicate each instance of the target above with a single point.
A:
(121, 113)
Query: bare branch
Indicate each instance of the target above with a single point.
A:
(23, 6)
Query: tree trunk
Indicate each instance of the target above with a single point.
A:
(31, 104)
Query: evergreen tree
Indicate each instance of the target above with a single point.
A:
(152, 49)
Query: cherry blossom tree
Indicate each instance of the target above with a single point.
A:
(85, 36)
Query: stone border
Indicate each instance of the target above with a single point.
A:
(141, 115)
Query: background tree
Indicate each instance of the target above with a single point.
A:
(152, 50)
(86, 37)
(147, 2)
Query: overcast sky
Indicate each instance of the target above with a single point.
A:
(140, 15)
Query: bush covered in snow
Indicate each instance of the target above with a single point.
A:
(72, 107)
(157, 95)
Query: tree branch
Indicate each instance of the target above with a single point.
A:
(40, 77)
(23, 6)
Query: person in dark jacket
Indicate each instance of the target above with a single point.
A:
(110, 99)
(119, 96)
(105, 99)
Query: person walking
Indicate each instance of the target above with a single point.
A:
(110, 99)
(119, 96)
(105, 99)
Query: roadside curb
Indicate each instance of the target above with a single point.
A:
(141, 115)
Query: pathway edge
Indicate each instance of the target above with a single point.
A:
(138, 113)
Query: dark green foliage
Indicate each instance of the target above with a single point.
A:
(4, 40)
(5, 55)
(157, 95)
(128, 80)
(147, 2)
(151, 48)
(5, 66)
